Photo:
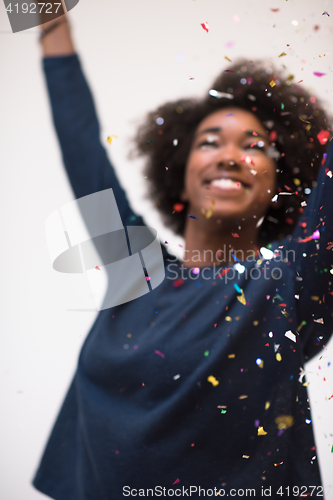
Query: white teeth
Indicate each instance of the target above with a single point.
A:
(226, 184)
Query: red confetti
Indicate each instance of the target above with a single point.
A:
(98, 269)
(323, 136)
(225, 271)
(178, 207)
(205, 26)
(275, 10)
(272, 136)
(178, 283)
(235, 235)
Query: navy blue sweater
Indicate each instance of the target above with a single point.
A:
(188, 386)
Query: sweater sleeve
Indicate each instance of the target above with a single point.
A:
(312, 259)
(87, 165)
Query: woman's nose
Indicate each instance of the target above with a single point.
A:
(228, 157)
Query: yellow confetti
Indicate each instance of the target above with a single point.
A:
(261, 431)
(110, 138)
(241, 298)
(256, 322)
(227, 318)
(297, 182)
(227, 58)
(243, 396)
(282, 54)
(213, 380)
(272, 83)
(231, 355)
(284, 421)
(209, 212)
(267, 405)
(304, 118)
(278, 356)
(290, 77)
(246, 456)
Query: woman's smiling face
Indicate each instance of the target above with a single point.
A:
(229, 162)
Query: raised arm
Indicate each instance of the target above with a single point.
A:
(312, 242)
(74, 115)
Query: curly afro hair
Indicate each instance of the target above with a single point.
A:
(292, 118)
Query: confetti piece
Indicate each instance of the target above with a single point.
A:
(320, 320)
(278, 356)
(223, 411)
(179, 282)
(235, 235)
(275, 10)
(261, 431)
(178, 207)
(294, 22)
(243, 396)
(280, 463)
(284, 421)
(236, 18)
(227, 58)
(246, 456)
(177, 481)
(282, 54)
(318, 73)
(220, 95)
(205, 26)
(228, 318)
(231, 356)
(192, 216)
(213, 380)
(239, 290)
(160, 353)
(110, 138)
(267, 405)
(316, 235)
(175, 142)
(98, 269)
(325, 14)
(147, 278)
(272, 83)
(290, 335)
(206, 353)
(260, 362)
(176, 377)
(323, 136)
(209, 213)
(241, 298)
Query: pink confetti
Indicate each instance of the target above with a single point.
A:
(147, 278)
(229, 45)
(98, 269)
(160, 353)
(318, 73)
(316, 235)
(205, 26)
(177, 481)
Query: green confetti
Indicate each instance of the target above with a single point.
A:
(206, 353)
(225, 411)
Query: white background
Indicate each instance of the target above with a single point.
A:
(136, 55)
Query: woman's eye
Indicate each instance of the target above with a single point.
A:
(209, 143)
(259, 146)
